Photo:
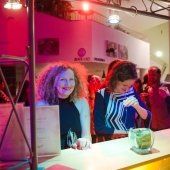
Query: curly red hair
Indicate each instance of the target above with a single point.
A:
(46, 81)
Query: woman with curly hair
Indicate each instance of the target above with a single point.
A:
(117, 103)
(65, 85)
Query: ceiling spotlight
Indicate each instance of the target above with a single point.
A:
(13, 4)
(114, 19)
(159, 54)
(85, 6)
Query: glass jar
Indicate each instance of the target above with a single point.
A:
(141, 140)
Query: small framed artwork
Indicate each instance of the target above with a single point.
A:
(48, 46)
(122, 52)
(111, 49)
(115, 50)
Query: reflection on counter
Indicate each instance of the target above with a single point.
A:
(163, 164)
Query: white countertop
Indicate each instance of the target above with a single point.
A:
(111, 155)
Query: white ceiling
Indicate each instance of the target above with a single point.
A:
(133, 23)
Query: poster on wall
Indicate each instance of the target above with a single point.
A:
(48, 46)
(115, 50)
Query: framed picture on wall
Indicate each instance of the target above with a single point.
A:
(111, 49)
(116, 50)
(48, 46)
(122, 52)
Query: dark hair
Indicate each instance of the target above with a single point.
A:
(145, 79)
(140, 85)
(121, 71)
(112, 64)
(104, 84)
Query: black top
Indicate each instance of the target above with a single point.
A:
(69, 120)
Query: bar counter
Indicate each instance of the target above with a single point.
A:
(115, 154)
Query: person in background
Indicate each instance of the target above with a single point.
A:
(138, 86)
(157, 98)
(145, 81)
(65, 84)
(116, 104)
(3, 97)
(94, 83)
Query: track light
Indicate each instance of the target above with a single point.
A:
(13, 4)
(114, 19)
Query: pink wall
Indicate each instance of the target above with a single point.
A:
(13, 32)
(71, 35)
(92, 37)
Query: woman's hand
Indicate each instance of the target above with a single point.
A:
(82, 144)
(130, 101)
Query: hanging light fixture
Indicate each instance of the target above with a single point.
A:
(13, 4)
(114, 19)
